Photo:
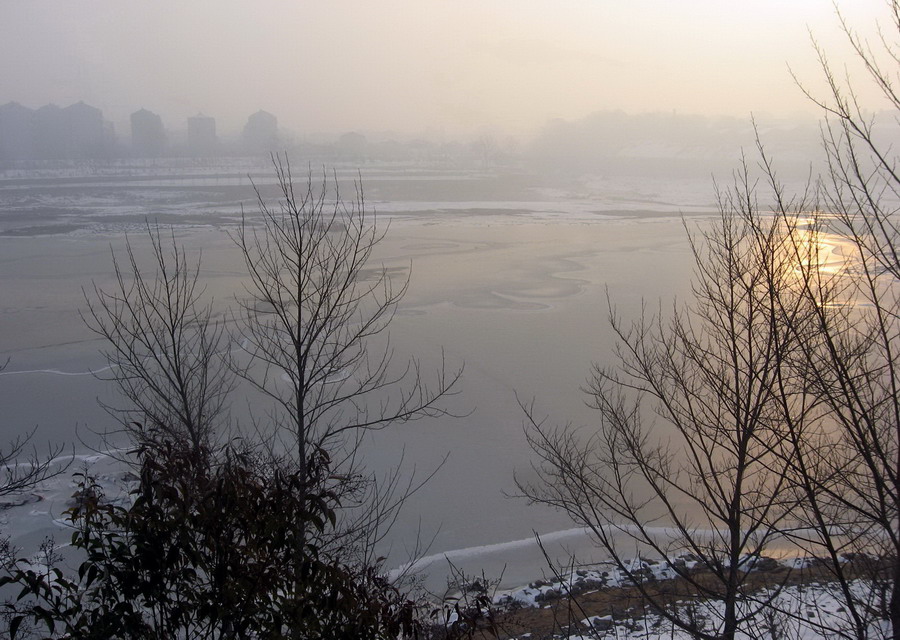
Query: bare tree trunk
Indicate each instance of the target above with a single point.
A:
(316, 308)
(710, 370)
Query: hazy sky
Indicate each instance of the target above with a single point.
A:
(418, 66)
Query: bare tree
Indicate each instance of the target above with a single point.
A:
(825, 448)
(310, 316)
(314, 321)
(846, 461)
(165, 352)
(701, 476)
(302, 514)
(21, 467)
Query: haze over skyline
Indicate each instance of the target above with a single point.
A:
(438, 67)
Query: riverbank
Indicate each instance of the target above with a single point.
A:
(793, 598)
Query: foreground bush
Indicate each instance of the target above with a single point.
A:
(206, 548)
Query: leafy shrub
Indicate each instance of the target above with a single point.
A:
(209, 546)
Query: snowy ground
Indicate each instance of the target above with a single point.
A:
(806, 612)
(810, 610)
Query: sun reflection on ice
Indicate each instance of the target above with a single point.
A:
(821, 258)
(816, 249)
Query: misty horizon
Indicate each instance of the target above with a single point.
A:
(178, 126)
(429, 70)
(609, 140)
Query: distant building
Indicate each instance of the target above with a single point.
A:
(201, 133)
(50, 133)
(109, 138)
(85, 133)
(261, 132)
(148, 138)
(16, 132)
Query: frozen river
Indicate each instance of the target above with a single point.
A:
(509, 276)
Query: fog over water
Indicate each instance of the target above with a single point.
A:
(529, 157)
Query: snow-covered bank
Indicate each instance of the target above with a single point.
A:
(791, 600)
(803, 604)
